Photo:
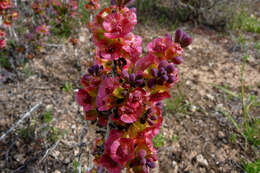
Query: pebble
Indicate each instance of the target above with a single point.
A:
(221, 134)
(19, 157)
(193, 108)
(210, 97)
(201, 160)
(82, 39)
(174, 164)
(67, 160)
(56, 171)
(49, 107)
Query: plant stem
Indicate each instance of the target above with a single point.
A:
(244, 111)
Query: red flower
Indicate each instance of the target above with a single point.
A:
(84, 99)
(42, 29)
(133, 107)
(4, 4)
(160, 45)
(120, 23)
(143, 63)
(159, 96)
(109, 52)
(111, 165)
(104, 98)
(133, 46)
(2, 43)
(128, 114)
(120, 149)
(2, 33)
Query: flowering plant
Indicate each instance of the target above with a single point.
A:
(123, 89)
(40, 25)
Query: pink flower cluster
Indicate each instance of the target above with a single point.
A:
(123, 90)
(7, 13)
(2, 39)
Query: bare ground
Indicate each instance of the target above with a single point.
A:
(195, 141)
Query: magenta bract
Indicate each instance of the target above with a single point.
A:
(124, 89)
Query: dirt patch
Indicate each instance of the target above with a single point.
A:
(195, 141)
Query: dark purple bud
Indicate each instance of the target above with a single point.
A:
(153, 117)
(186, 41)
(143, 161)
(163, 63)
(139, 82)
(125, 74)
(138, 76)
(145, 169)
(160, 81)
(170, 68)
(150, 122)
(142, 153)
(132, 77)
(86, 77)
(91, 70)
(165, 77)
(177, 60)
(151, 164)
(162, 71)
(113, 2)
(149, 111)
(178, 36)
(151, 83)
(171, 79)
(100, 170)
(96, 68)
(154, 72)
(159, 105)
(101, 67)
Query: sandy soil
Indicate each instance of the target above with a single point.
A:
(196, 140)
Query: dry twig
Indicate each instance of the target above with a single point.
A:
(20, 121)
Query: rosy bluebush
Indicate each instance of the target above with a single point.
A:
(124, 89)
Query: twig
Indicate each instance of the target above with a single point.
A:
(53, 45)
(49, 151)
(20, 121)
(81, 144)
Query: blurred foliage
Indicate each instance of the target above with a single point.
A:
(245, 22)
(217, 14)
(253, 167)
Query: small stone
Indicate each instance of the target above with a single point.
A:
(221, 134)
(220, 107)
(67, 160)
(174, 164)
(210, 97)
(56, 153)
(82, 39)
(49, 107)
(2, 164)
(193, 108)
(188, 82)
(56, 171)
(251, 59)
(201, 160)
(19, 157)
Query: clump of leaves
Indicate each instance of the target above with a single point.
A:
(253, 167)
(67, 87)
(158, 140)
